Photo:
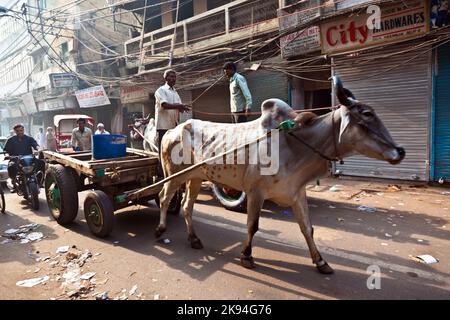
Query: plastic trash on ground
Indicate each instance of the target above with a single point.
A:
(28, 283)
(62, 249)
(426, 258)
(366, 209)
(102, 296)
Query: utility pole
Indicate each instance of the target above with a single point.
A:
(40, 17)
(141, 43)
(174, 37)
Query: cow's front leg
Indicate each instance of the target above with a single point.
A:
(254, 206)
(300, 209)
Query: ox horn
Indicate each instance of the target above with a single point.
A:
(344, 95)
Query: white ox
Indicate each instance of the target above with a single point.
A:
(303, 156)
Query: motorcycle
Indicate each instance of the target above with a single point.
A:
(28, 179)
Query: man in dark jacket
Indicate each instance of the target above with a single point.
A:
(21, 145)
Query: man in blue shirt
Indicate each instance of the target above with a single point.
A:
(240, 97)
(21, 145)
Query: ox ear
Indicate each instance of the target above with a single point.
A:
(344, 95)
(345, 121)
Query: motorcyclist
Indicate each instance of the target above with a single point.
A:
(21, 145)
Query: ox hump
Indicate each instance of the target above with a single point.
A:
(274, 111)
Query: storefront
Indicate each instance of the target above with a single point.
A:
(401, 96)
(390, 71)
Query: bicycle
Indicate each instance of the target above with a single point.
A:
(2, 200)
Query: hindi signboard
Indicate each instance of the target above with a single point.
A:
(92, 97)
(302, 41)
(134, 94)
(63, 80)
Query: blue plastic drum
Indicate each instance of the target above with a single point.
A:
(107, 146)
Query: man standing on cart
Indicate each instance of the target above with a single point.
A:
(167, 107)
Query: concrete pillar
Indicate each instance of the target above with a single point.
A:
(297, 93)
(166, 18)
(200, 6)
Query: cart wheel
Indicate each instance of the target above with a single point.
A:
(61, 193)
(99, 213)
(230, 199)
(175, 203)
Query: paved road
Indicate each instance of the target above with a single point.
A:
(407, 223)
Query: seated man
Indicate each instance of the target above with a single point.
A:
(21, 145)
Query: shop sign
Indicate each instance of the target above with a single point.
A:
(92, 97)
(134, 94)
(63, 80)
(402, 20)
(302, 41)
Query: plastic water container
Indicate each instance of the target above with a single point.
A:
(107, 146)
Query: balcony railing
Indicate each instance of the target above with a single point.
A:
(233, 22)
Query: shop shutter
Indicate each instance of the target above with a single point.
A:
(442, 116)
(399, 89)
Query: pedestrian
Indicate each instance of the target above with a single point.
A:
(240, 97)
(50, 139)
(101, 129)
(40, 138)
(81, 136)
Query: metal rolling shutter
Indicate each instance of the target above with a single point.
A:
(401, 97)
(442, 116)
(264, 85)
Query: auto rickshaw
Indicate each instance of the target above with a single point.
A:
(64, 124)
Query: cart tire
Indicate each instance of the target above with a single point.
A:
(99, 213)
(236, 202)
(175, 203)
(61, 193)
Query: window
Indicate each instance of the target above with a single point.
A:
(64, 51)
(42, 4)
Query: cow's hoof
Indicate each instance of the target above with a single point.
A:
(325, 268)
(159, 231)
(196, 244)
(247, 262)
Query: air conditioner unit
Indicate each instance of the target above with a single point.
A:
(72, 46)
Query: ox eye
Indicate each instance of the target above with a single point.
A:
(367, 113)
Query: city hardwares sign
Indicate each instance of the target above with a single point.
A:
(401, 20)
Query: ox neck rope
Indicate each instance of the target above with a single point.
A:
(315, 150)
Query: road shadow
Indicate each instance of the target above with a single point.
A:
(292, 273)
(344, 216)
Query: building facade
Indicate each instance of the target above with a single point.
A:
(395, 66)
